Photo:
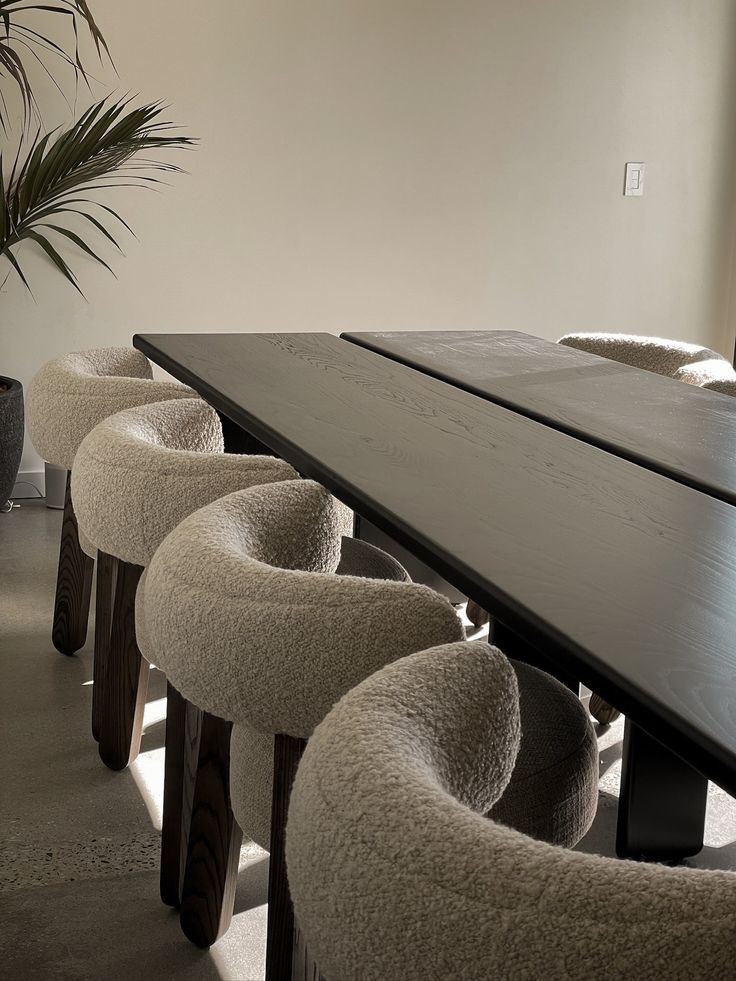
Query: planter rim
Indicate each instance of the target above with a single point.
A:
(14, 384)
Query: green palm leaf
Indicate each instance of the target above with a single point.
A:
(21, 44)
(54, 176)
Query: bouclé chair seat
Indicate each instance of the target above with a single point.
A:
(684, 362)
(396, 873)
(65, 400)
(136, 475)
(70, 395)
(141, 471)
(657, 354)
(247, 609)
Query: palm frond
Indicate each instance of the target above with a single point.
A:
(52, 178)
(19, 43)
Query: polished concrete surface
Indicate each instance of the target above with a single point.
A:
(79, 843)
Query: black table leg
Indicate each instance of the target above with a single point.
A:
(516, 647)
(661, 810)
(237, 440)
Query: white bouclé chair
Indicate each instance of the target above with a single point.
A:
(396, 873)
(249, 608)
(65, 400)
(135, 476)
(685, 362)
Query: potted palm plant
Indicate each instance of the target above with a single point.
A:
(53, 186)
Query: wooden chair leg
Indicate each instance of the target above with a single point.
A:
(601, 711)
(210, 876)
(107, 574)
(126, 679)
(280, 943)
(73, 584)
(183, 729)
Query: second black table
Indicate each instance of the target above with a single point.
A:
(682, 431)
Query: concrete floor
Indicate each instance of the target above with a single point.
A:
(79, 844)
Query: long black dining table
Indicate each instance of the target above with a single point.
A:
(596, 567)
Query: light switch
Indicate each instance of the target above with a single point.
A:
(634, 179)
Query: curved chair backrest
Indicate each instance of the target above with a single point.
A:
(142, 470)
(395, 874)
(245, 615)
(724, 386)
(657, 354)
(70, 395)
(706, 373)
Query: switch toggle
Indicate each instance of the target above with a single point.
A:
(634, 179)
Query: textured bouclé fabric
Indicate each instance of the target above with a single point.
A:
(684, 362)
(705, 373)
(249, 621)
(253, 609)
(258, 610)
(140, 471)
(70, 395)
(553, 795)
(657, 354)
(723, 386)
(397, 876)
(251, 752)
(553, 792)
(359, 558)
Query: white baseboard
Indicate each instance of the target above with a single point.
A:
(30, 483)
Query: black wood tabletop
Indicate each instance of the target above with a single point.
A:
(624, 577)
(682, 431)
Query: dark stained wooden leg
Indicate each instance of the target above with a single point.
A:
(661, 809)
(107, 574)
(280, 943)
(73, 584)
(183, 729)
(519, 649)
(601, 711)
(126, 682)
(210, 876)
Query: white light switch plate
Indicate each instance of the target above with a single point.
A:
(634, 179)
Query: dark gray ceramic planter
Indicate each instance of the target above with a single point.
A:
(11, 435)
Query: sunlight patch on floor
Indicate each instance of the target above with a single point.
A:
(244, 945)
(148, 773)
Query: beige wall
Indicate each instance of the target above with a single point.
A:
(406, 164)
